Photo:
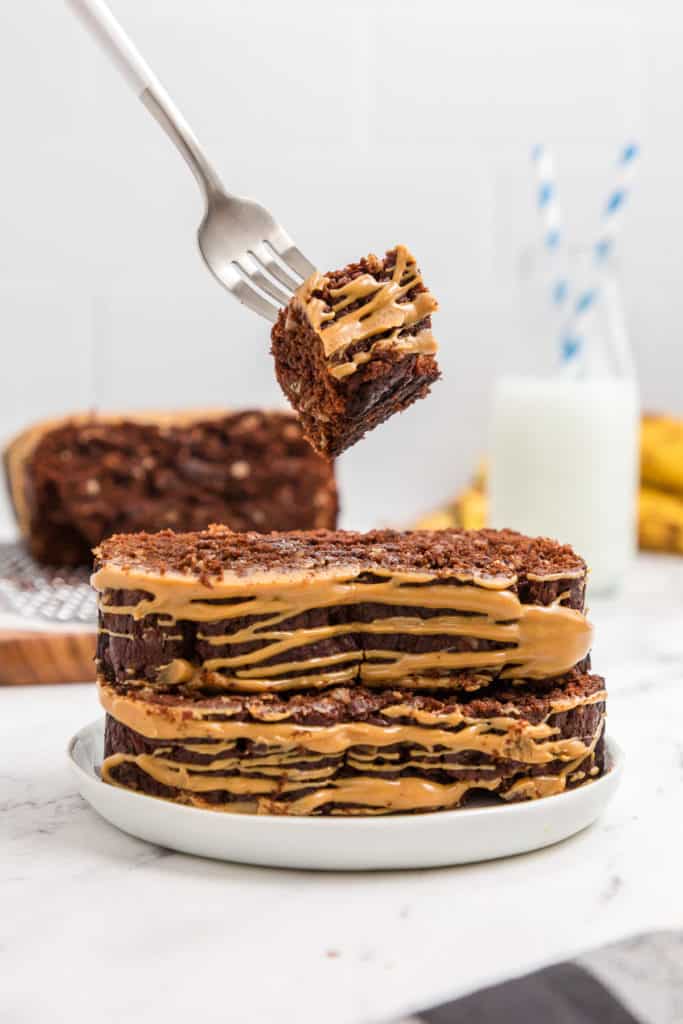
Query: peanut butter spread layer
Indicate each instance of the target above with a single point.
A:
(372, 310)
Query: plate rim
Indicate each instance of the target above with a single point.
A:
(611, 777)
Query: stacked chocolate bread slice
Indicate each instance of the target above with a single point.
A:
(355, 346)
(341, 673)
(76, 480)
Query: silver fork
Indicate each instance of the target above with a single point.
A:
(243, 245)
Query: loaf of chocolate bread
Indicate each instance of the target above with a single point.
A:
(354, 750)
(256, 613)
(76, 480)
(331, 672)
(355, 346)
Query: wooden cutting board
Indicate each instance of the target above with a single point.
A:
(30, 657)
(47, 621)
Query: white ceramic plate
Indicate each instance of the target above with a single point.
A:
(330, 844)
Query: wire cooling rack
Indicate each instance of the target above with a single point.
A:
(33, 591)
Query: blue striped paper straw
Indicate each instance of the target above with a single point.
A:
(573, 342)
(549, 209)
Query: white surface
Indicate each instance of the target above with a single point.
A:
(316, 113)
(127, 931)
(564, 463)
(337, 844)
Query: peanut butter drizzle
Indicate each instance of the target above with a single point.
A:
(391, 795)
(535, 786)
(544, 641)
(383, 312)
(181, 671)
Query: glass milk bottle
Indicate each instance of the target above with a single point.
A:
(564, 448)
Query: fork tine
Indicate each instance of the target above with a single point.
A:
(250, 297)
(251, 269)
(283, 245)
(247, 295)
(229, 276)
(264, 255)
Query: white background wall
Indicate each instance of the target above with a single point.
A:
(360, 124)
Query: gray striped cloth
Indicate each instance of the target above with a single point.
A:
(637, 981)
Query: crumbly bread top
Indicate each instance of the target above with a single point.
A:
(211, 553)
(358, 703)
(380, 268)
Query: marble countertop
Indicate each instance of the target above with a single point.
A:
(98, 925)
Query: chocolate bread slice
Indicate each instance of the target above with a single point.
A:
(353, 750)
(354, 346)
(76, 480)
(248, 613)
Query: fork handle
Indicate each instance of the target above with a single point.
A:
(97, 18)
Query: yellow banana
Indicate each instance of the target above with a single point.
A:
(660, 520)
(661, 453)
